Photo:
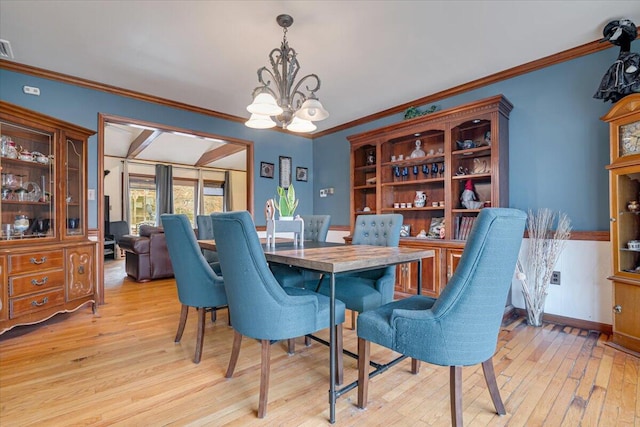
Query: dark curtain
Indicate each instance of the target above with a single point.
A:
(164, 190)
(227, 191)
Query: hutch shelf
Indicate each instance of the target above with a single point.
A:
(438, 155)
(47, 262)
(624, 184)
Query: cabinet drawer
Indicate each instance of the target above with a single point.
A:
(36, 302)
(36, 261)
(36, 282)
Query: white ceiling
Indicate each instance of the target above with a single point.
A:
(370, 55)
(168, 147)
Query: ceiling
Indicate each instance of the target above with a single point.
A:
(369, 55)
(154, 145)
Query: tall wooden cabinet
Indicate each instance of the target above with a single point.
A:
(624, 180)
(439, 155)
(47, 262)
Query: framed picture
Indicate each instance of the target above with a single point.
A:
(266, 170)
(405, 230)
(301, 174)
(285, 172)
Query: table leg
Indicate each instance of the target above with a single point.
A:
(420, 277)
(332, 350)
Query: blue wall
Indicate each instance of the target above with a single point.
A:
(81, 106)
(558, 147)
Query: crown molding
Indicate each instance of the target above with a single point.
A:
(567, 55)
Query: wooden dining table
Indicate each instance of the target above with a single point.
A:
(333, 259)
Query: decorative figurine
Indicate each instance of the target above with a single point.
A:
(417, 152)
(623, 76)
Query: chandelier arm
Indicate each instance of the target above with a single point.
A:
(297, 91)
(265, 83)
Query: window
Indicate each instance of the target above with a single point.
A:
(142, 201)
(213, 196)
(184, 197)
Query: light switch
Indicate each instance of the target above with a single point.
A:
(91, 194)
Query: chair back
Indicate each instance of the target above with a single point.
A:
(316, 227)
(258, 305)
(205, 232)
(377, 230)
(119, 229)
(195, 279)
(470, 308)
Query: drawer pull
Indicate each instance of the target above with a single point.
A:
(36, 262)
(34, 282)
(81, 269)
(617, 309)
(40, 304)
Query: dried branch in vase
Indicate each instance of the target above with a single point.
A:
(543, 252)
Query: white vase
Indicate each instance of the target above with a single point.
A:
(285, 218)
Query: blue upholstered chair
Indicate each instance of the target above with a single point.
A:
(259, 307)
(198, 285)
(368, 289)
(461, 327)
(316, 228)
(205, 232)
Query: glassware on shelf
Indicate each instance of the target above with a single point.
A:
(434, 170)
(396, 172)
(415, 171)
(8, 148)
(405, 173)
(11, 181)
(425, 170)
(442, 169)
(21, 223)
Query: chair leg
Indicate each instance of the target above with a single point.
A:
(202, 313)
(339, 356)
(455, 392)
(235, 351)
(364, 347)
(492, 385)
(183, 321)
(307, 341)
(214, 315)
(415, 366)
(264, 378)
(353, 320)
(291, 346)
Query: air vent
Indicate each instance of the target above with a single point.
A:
(5, 49)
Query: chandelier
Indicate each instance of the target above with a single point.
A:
(285, 101)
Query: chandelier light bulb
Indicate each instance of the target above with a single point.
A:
(301, 126)
(260, 121)
(312, 110)
(264, 103)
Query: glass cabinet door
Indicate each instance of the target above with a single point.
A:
(626, 221)
(28, 173)
(629, 139)
(74, 196)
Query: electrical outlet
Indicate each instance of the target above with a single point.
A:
(555, 278)
(323, 193)
(30, 90)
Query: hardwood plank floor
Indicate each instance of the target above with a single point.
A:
(121, 367)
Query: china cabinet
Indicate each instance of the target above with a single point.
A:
(421, 168)
(47, 262)
(624, 182)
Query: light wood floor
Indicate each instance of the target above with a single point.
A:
(122, 367)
